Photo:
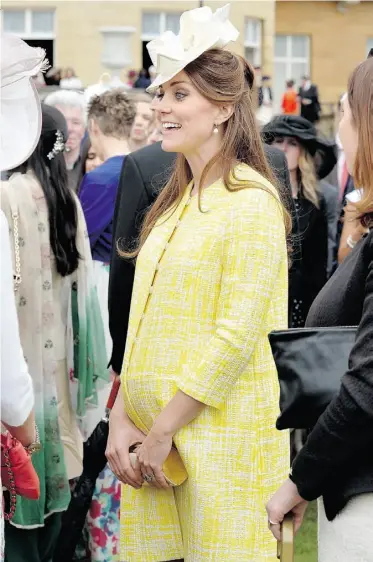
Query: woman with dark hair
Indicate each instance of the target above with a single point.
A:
(89, 160)
(309, 160)
(60, 329)
(211, 282)
(337, 459)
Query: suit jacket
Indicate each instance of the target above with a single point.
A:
(311, 111)
(143, 175)
(261, 94)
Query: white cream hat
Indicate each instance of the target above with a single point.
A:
(20, 113)
(200, 30)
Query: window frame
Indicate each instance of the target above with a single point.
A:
(28, 32)
(162, 21)
(257, 46)
(289, 60)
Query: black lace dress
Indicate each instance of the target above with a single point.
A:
(308, 272)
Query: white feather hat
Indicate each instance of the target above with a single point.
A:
(20, 113)
(200, 30)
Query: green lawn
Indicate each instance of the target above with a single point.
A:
(306, 539)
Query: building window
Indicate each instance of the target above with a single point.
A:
(29, 24)
(153, 25)
(14, 21)
(156, 23)
(36, 27)
(42, 22)
(173, 23)
(253, 41)
(292, 61)
(369, 45)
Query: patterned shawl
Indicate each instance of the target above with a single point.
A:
(59, 322)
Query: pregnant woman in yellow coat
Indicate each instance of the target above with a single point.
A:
(211, 283)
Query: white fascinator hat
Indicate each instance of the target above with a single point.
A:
(200, 29)
(20, 113)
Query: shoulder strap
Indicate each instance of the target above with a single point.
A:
(17, 279)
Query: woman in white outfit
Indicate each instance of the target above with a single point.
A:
(20, 131)
(60, 329)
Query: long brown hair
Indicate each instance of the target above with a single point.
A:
(360, 99)
(222, 78)
(308, 177)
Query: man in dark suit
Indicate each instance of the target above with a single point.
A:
(309, 100)
(265, 92)
(144, 174)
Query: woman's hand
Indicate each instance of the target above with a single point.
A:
(285, 500)
(153, 452)
(351, 214)
(122, 435)
(151, 455)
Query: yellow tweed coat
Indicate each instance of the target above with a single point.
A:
(209, 287)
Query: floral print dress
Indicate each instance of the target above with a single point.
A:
(103, 519)
(100, 538)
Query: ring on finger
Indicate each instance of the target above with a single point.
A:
(148, 477)
(271, 522)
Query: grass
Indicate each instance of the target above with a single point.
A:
(306, 539)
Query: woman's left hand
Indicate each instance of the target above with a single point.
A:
(151, 455)
(285, 500)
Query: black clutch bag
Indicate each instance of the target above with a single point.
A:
(310, 364)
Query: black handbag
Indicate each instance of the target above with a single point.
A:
(310, 364)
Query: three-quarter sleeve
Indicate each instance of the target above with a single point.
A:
(17, 396)
(254, 250)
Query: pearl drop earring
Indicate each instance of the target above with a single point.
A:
(215, 130)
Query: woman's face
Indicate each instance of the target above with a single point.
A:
(348, 135)
(92, 160)
(187, 118)
(291, 147)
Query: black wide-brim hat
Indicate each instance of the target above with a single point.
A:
(324, 151)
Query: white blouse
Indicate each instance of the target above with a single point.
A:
(17, 395)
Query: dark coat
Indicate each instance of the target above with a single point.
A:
(261, 94)
(337, 459)
(312, 111)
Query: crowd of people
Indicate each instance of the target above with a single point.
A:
(156, 238)
(67, 79)
(304, 101)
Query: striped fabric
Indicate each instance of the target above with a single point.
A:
(209, 287)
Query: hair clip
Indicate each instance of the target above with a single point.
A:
(59, 145)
